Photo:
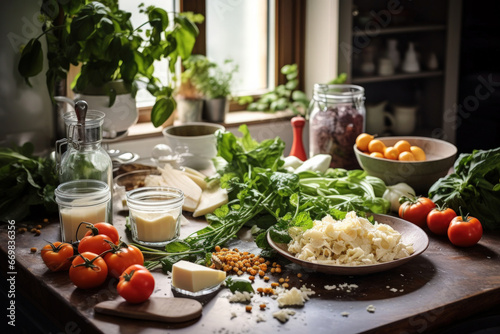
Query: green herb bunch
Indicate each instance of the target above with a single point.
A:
(266, 198)
(100, 37)
(204, 78)
(26, 183)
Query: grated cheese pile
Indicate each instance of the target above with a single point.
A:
(351, 241)
(293, 296)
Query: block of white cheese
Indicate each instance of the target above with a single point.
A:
(194, 277)
(210, 200)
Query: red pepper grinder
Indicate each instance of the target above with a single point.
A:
(297, 150)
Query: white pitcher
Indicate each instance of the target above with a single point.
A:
(404, 120)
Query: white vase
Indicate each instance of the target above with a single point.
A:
(119, 117)
(410, 63)
(393, 53)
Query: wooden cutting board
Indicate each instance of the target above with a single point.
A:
(155, 308)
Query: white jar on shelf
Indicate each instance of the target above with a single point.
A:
(393, 53)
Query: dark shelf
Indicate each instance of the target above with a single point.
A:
(397, 76)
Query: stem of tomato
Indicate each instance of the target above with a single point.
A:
(88, 263)
(464, 218)
(128, 277)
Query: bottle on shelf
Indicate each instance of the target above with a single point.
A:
(393, 53)
(410, 63)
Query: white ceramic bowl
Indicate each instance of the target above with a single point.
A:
(420, 175)
(196, 141)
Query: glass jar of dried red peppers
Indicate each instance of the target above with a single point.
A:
(336, 117)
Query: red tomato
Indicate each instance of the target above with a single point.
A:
(465, 231)
(88, 270)
(416, 209)
(121, 257)
(136, 284)
(104, 228)
(95, 244)
(57, 256)
(439, 219)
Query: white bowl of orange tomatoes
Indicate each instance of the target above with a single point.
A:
(417, 161)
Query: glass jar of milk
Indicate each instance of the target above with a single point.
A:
(155, 214)
(82, 201)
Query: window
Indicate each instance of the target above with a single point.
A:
(285, 26)
(247, 26)
(260, 36)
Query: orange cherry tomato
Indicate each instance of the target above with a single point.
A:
(57, 256)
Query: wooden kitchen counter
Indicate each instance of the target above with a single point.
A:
(437, 289)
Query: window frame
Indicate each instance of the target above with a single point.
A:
(289, 37)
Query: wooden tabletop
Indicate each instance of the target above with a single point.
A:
(442, 286)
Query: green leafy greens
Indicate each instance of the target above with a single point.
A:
(474, 186)
(266, 198)
(26, 182)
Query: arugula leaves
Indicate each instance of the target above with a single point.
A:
(26, 182)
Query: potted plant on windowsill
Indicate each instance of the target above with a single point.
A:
(113, 56)
(217, 90)
(189, 95)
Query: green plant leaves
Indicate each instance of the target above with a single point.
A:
(163, 108)
(82, 27)
(31, 61)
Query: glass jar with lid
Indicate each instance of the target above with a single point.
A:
(336, 117)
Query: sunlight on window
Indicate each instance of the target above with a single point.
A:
(239, 30)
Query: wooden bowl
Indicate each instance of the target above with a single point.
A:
(420, 175)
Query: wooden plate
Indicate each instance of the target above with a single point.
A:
(410, 234)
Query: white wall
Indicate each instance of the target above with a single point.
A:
(25, 113)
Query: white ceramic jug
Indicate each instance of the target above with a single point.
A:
(376, 116)
(404, 120)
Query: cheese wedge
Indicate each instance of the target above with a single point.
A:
(194, 277)
(210, 200)
(177, 179)
(200, 181)
(194, 172)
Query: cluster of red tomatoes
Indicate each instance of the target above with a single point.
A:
(100, 254)
(462, 230)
